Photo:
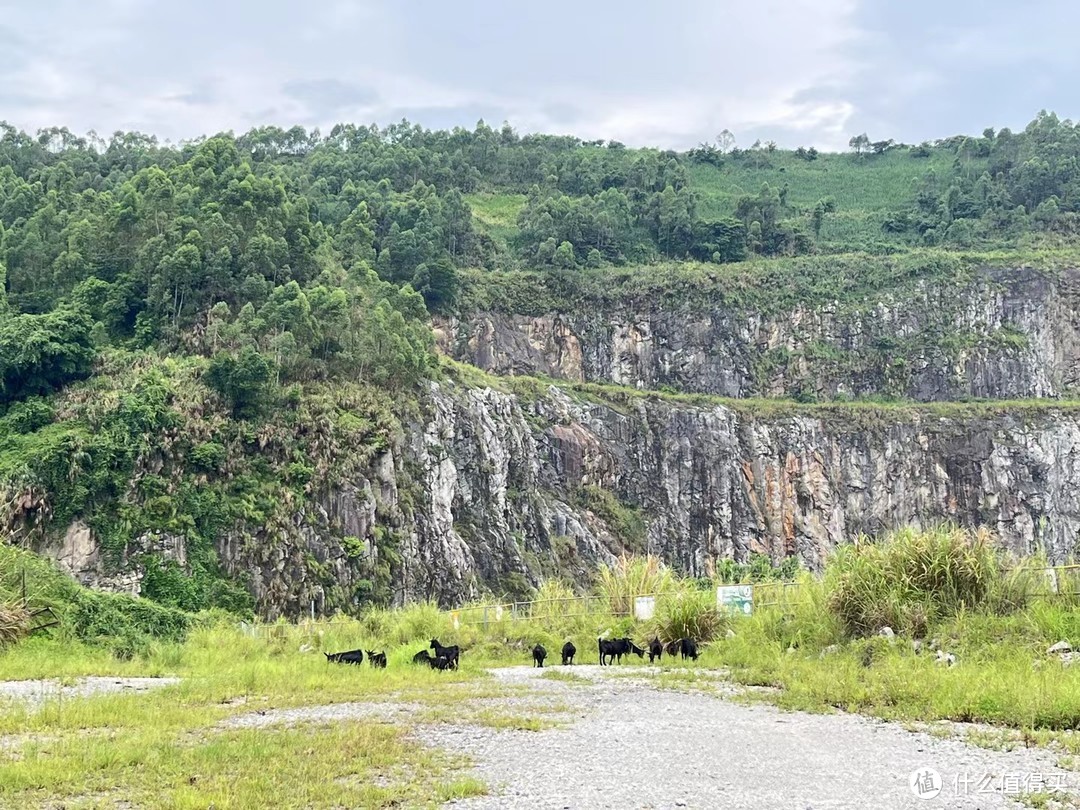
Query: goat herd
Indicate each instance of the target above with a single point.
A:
(611, 651)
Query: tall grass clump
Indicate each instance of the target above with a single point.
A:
(554, 599)
(632, 576)
(689, 613)
(912, 579)
(14, 622)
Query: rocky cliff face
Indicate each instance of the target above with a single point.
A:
(498, 485)
(1003, 334)
(493, 491)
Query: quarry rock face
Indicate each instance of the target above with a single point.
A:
(496, 487)
(1002, 334)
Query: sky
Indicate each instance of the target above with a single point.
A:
(671, 75)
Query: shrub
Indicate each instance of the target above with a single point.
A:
(914, 578)
(14, 622)
(625, 522)
(689, 614)
(241, 380)
(630, 577)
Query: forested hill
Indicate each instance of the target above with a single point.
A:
(199, 341)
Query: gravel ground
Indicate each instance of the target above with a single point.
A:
(333, 713)
(630, 745)
(34, 693)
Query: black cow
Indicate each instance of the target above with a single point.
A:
(688, 648)
(377, 660)
(349, 657)
(656, 650)
(568, 653)
(539, 654)
(451, 654)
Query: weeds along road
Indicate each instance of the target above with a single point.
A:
(624, 743)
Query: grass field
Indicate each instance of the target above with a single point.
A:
(181, 746)
(867, 183)
(211, 739)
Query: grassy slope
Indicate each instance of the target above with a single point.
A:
(496, 214)
(864, 189)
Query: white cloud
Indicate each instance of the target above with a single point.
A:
(808, 72)
(642, 73)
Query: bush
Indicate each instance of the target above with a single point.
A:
(630, 577)
(241, 380)
(112, 615)
(39, 353)
(915, 578)
(689, 614)
(14, 622)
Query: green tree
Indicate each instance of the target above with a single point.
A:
(242, 380)
(39, 353)
(564, 256)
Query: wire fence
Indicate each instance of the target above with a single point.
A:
(1058, 580)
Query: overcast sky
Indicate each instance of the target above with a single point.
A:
(801, 72)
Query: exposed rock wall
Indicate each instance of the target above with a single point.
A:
(485, 492)
(1004, 334)
(497, 482)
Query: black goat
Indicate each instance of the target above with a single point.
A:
(435, 662)
(349, 657)
(377, 660)
(673, 646)
(451, 654)
(539, 654)
(442, 662)
(656, 650)
(688, 648)
(615, 649)
(568, 653)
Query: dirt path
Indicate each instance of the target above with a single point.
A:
(631, 745)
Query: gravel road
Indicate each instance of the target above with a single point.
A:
(631, 745)
(34, 693)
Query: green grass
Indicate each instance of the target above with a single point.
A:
(496, 214)
(855, 414)
(871, 183)
(168, 748)
(863, 189)
(175, 748)
(854, 280)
